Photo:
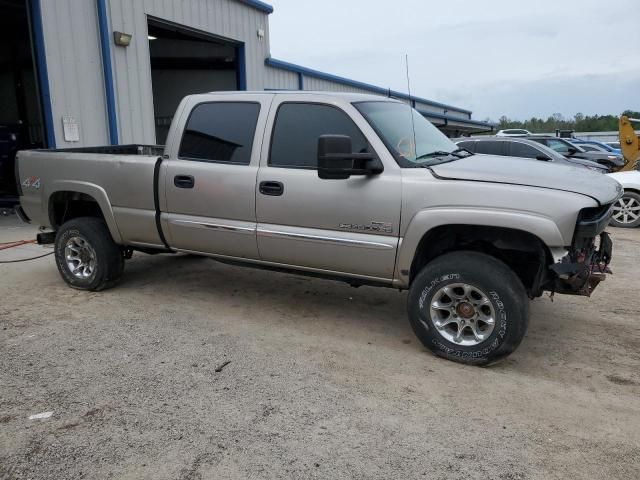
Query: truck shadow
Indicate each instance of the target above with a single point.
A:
(254, 295)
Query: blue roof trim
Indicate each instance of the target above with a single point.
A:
(426, 113)
(258, 5)
(272, 62)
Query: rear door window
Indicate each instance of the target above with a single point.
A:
(490, 147)
(220, 132)
(518, 149)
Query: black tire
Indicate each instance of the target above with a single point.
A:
(105, 255)
(506, 298)
(629, 200)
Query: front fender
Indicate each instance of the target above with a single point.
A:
(542, 227)
(95, 191)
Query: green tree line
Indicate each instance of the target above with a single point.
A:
(579, 123)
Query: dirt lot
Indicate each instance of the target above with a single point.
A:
(324, 381)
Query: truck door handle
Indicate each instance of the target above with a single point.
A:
(184, 181)
(274, 189)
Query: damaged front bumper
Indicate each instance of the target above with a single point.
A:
(587, 262)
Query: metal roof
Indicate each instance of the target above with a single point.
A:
(272, 62)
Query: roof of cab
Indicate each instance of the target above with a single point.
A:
(343, 95)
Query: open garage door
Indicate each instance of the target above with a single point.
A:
(20, 115)
(184, 62)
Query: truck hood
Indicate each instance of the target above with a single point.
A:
(531, 173)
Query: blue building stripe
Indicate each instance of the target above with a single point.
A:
(452, 118)
(105, 39)
(43, 75)
(258, 5)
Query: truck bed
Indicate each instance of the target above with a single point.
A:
(121, 179)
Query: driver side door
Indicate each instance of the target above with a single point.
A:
(344, 227)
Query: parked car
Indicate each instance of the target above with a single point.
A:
(594, 146)
(626, 211)
(344, 186)
(513, 132)
(525, 148)
(569, 150)
(615, 145)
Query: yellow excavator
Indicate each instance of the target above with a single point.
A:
(629, 143)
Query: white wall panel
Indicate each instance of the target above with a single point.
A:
(75, 69)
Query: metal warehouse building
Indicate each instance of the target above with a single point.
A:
(96, 72)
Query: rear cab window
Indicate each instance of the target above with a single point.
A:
(220, 132)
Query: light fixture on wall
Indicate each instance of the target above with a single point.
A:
(151, 37)
(122, 39)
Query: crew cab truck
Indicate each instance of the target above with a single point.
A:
(344, 186)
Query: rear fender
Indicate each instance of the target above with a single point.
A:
(95, 191)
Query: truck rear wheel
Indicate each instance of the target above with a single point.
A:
(86, 255)
(468, 307)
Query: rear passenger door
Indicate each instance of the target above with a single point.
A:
(335, 226)
(210, 177)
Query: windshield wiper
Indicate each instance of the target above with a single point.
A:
(441, 153)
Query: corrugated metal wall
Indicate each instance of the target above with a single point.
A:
(132, 69)
(278, 79)
(75, 69)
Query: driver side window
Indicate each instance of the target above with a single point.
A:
(294, 143)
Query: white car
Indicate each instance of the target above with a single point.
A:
(513, 132)
(626, 212)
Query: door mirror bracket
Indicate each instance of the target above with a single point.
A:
(336, 161)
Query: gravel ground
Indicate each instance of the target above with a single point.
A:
(191, 369)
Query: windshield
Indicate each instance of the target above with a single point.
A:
(395, 123)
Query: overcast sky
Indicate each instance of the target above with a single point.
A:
(495, 57)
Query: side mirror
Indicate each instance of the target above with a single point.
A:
(573, 151)
(336, 161)
(544, 158)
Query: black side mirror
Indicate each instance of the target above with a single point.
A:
(336, 161)
(573, 151)
(543, 157)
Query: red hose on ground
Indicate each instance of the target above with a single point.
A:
(5, 246)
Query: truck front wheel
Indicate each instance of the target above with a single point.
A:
(86, 255)
(468, 307)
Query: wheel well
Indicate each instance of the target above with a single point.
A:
(637, 192)
(522, 251)
(64, 206)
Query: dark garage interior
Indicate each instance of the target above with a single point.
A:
(185, 62)
(20, 117)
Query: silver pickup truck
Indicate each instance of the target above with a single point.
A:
(351, 187)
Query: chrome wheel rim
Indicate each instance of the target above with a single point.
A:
(626, 210)
(80, 257)
(463, 314)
